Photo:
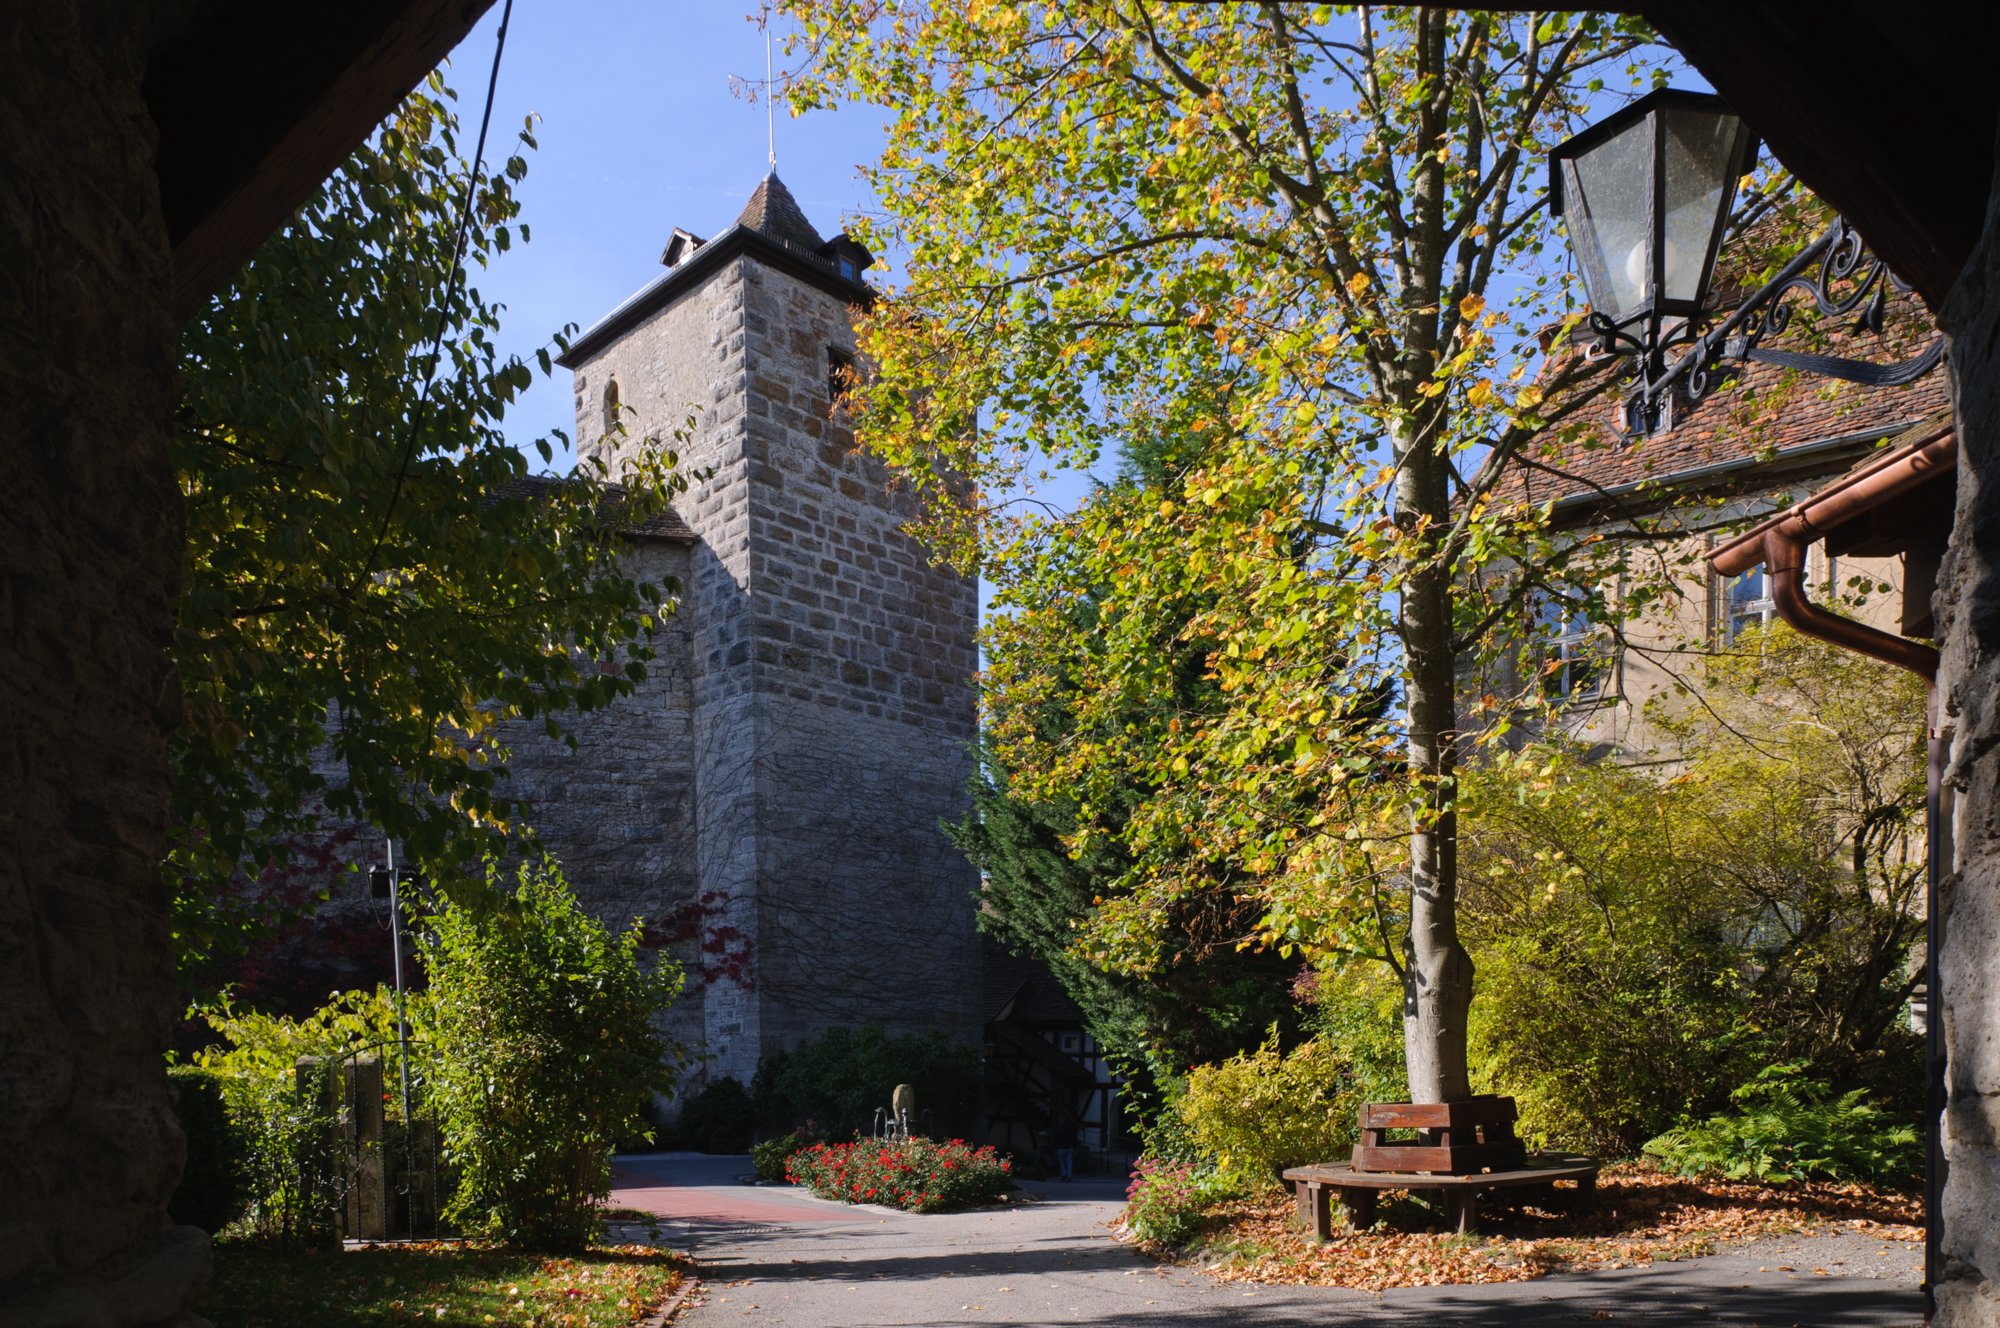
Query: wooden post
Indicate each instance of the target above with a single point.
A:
(1461, 1206)
(368, 1198)
(1315, 1205)
(1359, 1206)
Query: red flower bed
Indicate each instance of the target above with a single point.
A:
(921, 1176)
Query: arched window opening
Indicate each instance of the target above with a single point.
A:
(611, 406)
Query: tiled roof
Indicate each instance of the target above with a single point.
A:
(1022, 989)
(773, 212)
(666, 525)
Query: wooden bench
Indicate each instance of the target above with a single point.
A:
(1317, 1187)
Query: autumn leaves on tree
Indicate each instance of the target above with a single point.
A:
(371, 590)
(1305, 248)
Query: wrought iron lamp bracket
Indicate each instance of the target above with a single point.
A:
(1838, 274)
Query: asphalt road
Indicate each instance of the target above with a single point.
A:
(778, 1256)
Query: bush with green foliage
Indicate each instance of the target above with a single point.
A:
(280, 1129)
(717, 1119)
(917, 1175)
(770, 1156)
(1788, 1127)
(210, 1194)
(542, 1025)
(1254, 1115)
(1358, 1009)
(1609, 1002)
(1639, 939)
(1168, 1201)
(841, 1077)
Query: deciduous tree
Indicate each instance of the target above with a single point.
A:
(370, 590)
(1285, 233)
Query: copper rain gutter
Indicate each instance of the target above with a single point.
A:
(1780, 544)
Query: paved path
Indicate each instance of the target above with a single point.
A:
(778, 1256)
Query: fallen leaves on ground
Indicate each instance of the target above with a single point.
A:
(1640, 1215)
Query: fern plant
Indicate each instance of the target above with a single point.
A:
(1789, 1127)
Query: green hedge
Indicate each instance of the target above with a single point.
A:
(837, 1081)
(771, 1155)
(718, 1118)
(211, 1192)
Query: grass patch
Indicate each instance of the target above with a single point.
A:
(444, 1284)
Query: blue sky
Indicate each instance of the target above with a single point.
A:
(639, 133)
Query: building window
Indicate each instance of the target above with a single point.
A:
(1746, 602)
(1574, 664)
(849, 268)
(611, 406)
(839, 374)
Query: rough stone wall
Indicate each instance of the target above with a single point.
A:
(618, 809)
(687, 360)
(1968, 606)
(862, 655)
(90, 546)
(833, 709)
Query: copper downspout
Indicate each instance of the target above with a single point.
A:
(1785, 558)
(1780, 544)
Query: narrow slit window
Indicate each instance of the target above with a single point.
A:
(611, 406)
(839, 375)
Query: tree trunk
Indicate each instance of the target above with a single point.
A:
(1437, 971)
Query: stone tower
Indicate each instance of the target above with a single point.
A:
(829, 710)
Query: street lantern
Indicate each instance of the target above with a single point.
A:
(1645, 195)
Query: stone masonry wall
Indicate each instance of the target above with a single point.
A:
(832, 710)
(862, 654)
(90, 547)
(687, 359)
(1968, 605)
(617, 810)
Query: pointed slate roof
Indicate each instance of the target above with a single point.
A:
(774, 230)
(774, 213)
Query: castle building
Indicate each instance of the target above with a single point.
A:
(771, 800)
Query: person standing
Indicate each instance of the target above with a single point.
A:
(1063, 1139)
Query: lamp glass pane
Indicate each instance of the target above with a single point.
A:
(1700, 153)
(1604, 206)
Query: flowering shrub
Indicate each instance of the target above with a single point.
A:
(921, 1176)
(1168, 1201)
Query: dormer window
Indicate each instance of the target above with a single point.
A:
(681, 248)
(849, 259)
